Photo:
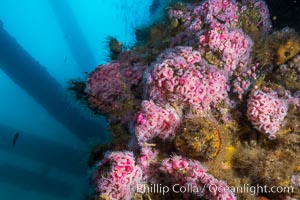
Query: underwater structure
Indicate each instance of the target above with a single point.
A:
(36, 147)
(206, 107)
(31, 76)
(11, 174)
(74, 36)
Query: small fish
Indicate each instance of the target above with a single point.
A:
(16, 137)
(86, 72)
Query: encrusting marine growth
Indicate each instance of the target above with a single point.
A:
(208, 96)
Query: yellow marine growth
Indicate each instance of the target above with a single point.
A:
(198, 138)
(288, 47)
(265, 167)
(278, 47)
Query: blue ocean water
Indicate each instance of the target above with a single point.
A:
(42, 147)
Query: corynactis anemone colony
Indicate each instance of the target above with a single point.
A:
(207, 97)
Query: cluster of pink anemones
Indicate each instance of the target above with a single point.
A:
(244, 76)
(148, 161)
(266, 111)
(106, 82)
(111, 86)
(155, 121)
(264, 23)
(191, 16)
(225, 11)
(192, 21)
(187, 80)
(191, 173)
(234, 45)
(123, 176)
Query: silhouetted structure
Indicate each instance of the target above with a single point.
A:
(74, 36)
(31, 76)
(34, 181)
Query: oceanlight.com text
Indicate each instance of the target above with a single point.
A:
(252, 189)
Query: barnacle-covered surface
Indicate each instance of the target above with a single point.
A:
(210, 95)
(199, 139)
